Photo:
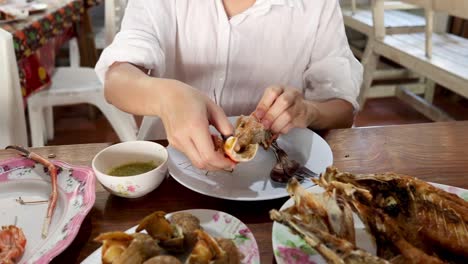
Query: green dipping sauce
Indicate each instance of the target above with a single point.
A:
(132, 169)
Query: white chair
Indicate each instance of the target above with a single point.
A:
(76, 85)
(438, 56)
(12, 118)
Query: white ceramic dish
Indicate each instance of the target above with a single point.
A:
(289, 248)
(24, 178)
(128, 152)
(250, 181)
(217, 224)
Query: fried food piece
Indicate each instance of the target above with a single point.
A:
(163, 260)
(233, 256)
(429, 218)
(206, 250)
(332, 248)
(114, 244)
(123, 248)
(156, 225)
(325, 211)
(171, 236)
(188, 223)
(142, 248)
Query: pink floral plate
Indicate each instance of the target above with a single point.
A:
(289, 248)
(21, 177)
(217, 224)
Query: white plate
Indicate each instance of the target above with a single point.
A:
(250, 181)
(24, 178)
(289, 248)
(217, 224)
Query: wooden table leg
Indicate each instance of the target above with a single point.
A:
(88, 52)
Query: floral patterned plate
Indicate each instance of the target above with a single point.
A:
(217, 224)
(289, 248)
(20, 177)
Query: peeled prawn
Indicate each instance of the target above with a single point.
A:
(12, 244)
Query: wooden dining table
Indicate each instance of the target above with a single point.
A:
(434, 152)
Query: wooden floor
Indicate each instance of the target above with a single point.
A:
(73, 126)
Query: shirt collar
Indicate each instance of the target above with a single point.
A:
(266, 5)
(262, 7)
(291, 3)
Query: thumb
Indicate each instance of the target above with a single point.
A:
(219, 120)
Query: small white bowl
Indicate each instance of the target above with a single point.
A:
(129, 152)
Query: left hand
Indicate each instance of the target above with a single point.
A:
(284, 108)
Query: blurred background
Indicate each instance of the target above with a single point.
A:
(84, 123)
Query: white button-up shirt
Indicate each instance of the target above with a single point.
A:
(299, 43)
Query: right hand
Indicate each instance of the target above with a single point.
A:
(187, 114)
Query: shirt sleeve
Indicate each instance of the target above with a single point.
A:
(137, 42)
(333, 72)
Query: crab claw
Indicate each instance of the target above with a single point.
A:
(53, 178)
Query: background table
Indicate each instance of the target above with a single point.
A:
(434, 152)
(38, 38)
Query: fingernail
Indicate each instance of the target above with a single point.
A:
(266, 123)
(259, 113)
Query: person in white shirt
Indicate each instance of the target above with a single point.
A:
(193, 62)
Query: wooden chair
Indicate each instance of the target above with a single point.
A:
(440, 57)
(359, 17)
(397, 20)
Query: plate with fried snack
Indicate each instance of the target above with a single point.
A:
(250, 148)
(371, 218)
(190, 236)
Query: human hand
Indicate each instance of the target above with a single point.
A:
(284, 108)
(187, 114)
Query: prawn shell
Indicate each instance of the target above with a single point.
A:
(247, 154)
(189, 224)
(157, 226)
(176, 243)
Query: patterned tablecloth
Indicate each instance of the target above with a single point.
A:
(38, 38)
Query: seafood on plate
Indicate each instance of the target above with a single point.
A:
(188, 223)
(407, 212)
(52, 170)
(410, 220)
(326, 223)
(12, 244)
(163, 260)
(249, 133)
(167, 240)
(206, 250)
(213, 250)
(120, 247)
